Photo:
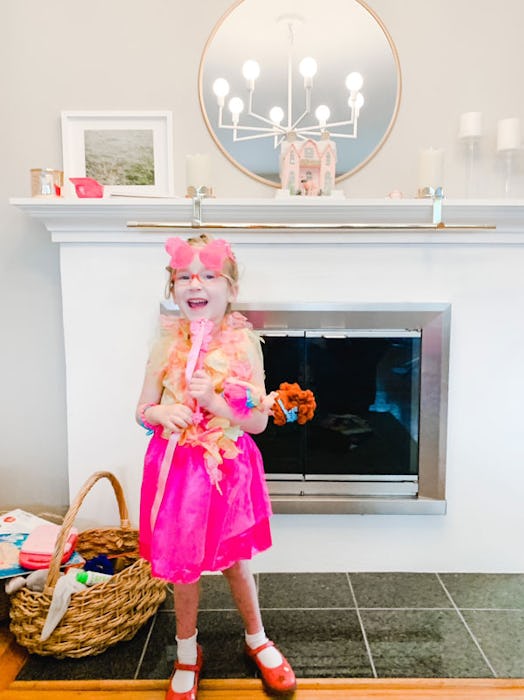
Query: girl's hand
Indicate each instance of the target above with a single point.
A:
(174, 416)
(266, 404)
(201, 388)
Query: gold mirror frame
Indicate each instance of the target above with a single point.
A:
(385, 101)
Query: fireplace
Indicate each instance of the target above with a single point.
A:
(379, 374)
(111, 287)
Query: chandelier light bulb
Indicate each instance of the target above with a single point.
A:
(235, 106)
(308, 67)
(354, 82)
(251, 70)
(276, 114)
(221, 89)
(322, 113)
(356, 101)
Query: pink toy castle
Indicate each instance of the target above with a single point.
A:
(308, 167)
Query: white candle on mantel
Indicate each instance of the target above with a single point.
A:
(470, 125)
(198, 170)
(430, 168)
(508, 134)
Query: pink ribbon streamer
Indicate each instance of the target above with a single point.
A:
(200, 331)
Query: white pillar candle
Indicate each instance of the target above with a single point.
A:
(470, 125)
(508, 134)
(198, 170)
(430, 168)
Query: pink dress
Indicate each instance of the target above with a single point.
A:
(215, 507)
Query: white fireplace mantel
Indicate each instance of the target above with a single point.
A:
(106, 220)
(113, 277)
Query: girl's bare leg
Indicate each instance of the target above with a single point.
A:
(186, 608)
(186, 611)
(244, 592)
(275, 669)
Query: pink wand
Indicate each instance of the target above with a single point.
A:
(200, 332)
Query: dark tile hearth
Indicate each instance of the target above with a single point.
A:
(336, 625)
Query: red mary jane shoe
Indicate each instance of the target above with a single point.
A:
(196, 668)
(280, 680)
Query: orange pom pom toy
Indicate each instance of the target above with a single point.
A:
(292, 403)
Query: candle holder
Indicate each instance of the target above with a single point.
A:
(508, 161)
(471, 151)
(198, 175)
(470, 131)
(508, 144)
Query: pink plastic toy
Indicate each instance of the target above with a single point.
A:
(87, 187)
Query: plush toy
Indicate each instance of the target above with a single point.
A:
(289, 404)
(35, 582)
(291, 401)
(101, 564)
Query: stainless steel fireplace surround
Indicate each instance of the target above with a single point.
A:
(420, 490)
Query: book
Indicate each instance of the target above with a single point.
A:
(15, 527)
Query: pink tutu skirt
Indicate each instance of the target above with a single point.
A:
(198, 528)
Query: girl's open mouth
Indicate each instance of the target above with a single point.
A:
(197, 303)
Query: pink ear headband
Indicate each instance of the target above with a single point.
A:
(212, 255)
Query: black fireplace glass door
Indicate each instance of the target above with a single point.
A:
(284, 447)
(367, 419)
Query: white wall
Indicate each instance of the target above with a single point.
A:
(120, 55)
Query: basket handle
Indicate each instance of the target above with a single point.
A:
(70, 517)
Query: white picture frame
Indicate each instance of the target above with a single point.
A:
(130, 152)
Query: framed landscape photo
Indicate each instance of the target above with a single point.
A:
(130, 153)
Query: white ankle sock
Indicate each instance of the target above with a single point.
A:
(270, 656)
(183, 681)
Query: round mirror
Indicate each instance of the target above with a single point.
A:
(275, 71)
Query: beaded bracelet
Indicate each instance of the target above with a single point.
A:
(250, 401)
(150, 429)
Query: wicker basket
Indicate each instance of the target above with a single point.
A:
(101, 615)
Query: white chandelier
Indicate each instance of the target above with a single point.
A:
(277, 124)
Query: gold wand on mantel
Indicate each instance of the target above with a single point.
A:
(441, 226)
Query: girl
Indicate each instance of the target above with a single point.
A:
(204, 502)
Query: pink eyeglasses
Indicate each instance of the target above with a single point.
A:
(184, 278)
